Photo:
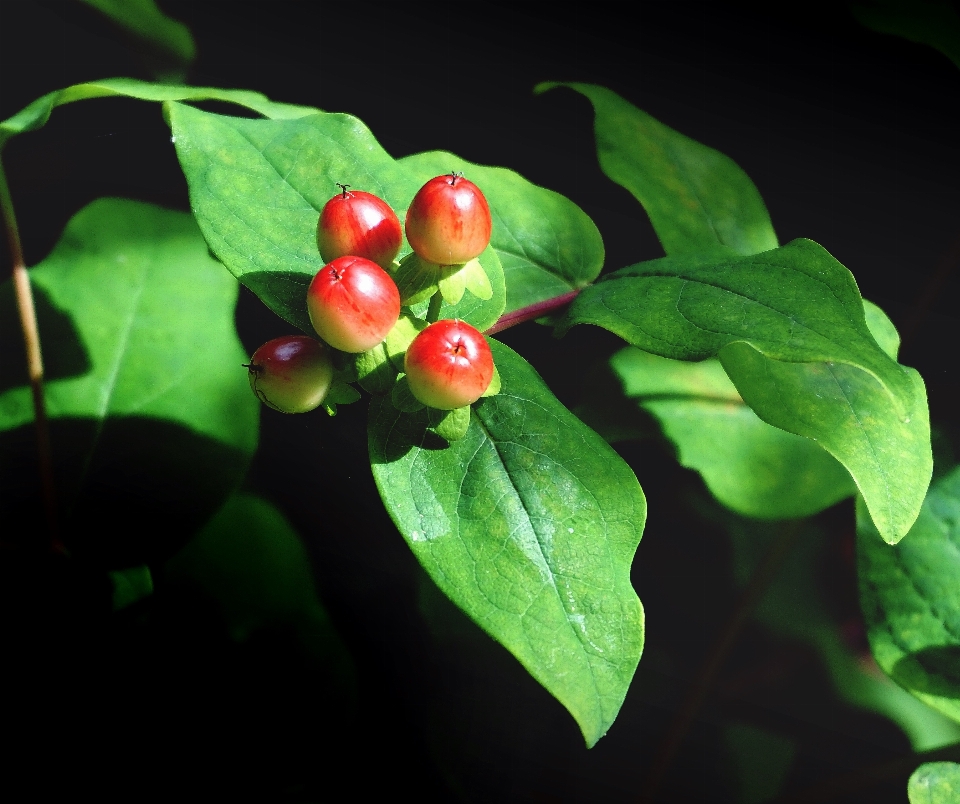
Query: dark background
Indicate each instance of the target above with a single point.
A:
(851, 138)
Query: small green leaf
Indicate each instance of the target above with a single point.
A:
(375, 373)
(908, 594)
(154, 424)
(165, 43)
(696, 197)
(451, 425)
(790, 330)
(547, 245)
(402, 397)
(529, 524)
(130, 585)
(935, 783)
(476, 280)
(750, 466)
(416, 280)
(37, 113)
(452, 286)
(494, 388)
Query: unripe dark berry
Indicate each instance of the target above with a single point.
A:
(291, 374)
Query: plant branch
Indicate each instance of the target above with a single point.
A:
(532, 311)
(759, 581)
(31, 340)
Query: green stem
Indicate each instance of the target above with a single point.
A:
(433, 311)
(31, 340)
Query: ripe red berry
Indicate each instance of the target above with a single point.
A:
(355, 223)
(291, 374)
(449, 221)
(353, 303)
(449, 365)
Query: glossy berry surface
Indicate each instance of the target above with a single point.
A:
(353, 303)
(291, 374)
(359, 224)
(449, 221)
(449, 365)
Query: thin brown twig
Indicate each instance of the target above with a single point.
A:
(714, 660)
(31, 339)
(839, 787)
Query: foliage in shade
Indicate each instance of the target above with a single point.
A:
(164, 43)
(935, 783)
(935, 22)
(146, 394)
(546, 243)
(529, 524)
(790, 330)
(750, 466)
(909, 598)
(696, 197)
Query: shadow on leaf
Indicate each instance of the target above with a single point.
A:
(284, 292)
(130, 492)
(933, 670)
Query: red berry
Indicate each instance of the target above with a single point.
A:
(291, 374)
(359, 224)
(353, 303)
(449, 365)
(448, 221)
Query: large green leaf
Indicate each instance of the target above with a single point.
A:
(935, 783)
(750, 466)
(929, 22)
(910, 598)
(790, 330)
(165, 43)
(547, 244)
(695, 196)
(37, 113)
(257, 186)
(152, 418)
(529, 524)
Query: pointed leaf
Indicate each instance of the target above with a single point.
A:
(751, 467)
(529, 524)
(154, 423)
(696, 197)
(547, 245)
(790, 329)
(908, 594)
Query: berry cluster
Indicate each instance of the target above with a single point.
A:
(354, 303)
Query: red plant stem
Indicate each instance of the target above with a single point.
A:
(532, 311)
(31, 340)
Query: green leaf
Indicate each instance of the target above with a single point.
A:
(751, 467)
(695, 196)
(908, 594)
(451, 425)
(152, 419)
(37, 113)
(547, 245)
(165, 43)
(130, 585)
(928, 22)
(529, 524)
(251, 561)
(935, 783)
(256, 188)
(790, 330)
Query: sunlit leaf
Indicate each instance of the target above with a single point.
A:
(909, 598)
(529, 524)
(789, 328)
(152, 419)
(935, 783)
